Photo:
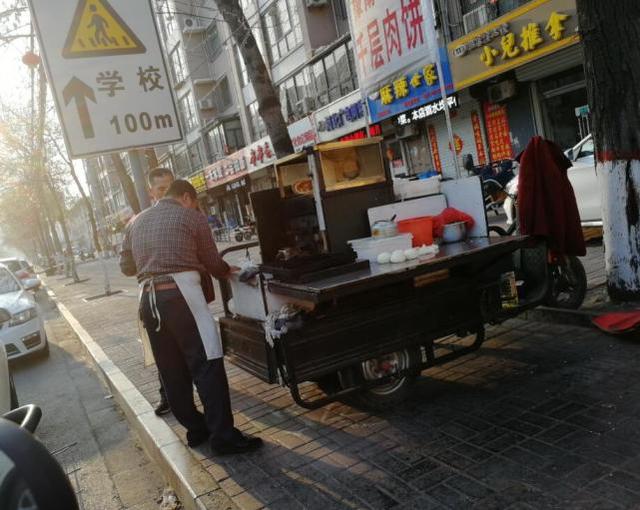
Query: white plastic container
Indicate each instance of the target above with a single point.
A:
(370, 247)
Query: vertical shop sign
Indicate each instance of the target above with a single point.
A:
(435, 153)
(498, 132)
(477, 134)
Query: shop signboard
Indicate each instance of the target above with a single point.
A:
(198, 181)
(435, 152)
(477, 135)
(427, 111)
(227, 169)
(340, 118)
(390, 36)
(259, 154)
(303, 134)
(409, 90)
(498, 132)
(538, 28)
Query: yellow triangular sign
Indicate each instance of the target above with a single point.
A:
(98, 31)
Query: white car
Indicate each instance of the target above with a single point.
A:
(24, 332)
(585, 182)
(8, 398)
(24, 271)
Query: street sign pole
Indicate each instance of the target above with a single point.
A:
(139, 179)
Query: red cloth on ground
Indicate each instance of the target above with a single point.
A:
(450, 215)
(618, 322)
(546, 202)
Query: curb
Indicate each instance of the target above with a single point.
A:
(195, 487)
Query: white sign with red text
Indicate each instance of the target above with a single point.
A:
(259, 154)
(303, 134)
(389, 36)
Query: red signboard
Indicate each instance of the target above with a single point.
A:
(498, 132)
(435, 153)
(477, 134)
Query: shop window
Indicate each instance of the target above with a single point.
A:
(233, 135)
(216, 141)
(222, 95)
(257, 124)
(183, 166)
(242, 68)
(282, 26)
(176, 58)
(188, 112)
(213, 43)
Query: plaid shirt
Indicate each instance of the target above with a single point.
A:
(169, 238)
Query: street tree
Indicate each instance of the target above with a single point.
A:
(269, 106)
(612, 70)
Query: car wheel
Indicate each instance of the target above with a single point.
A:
(14, 395)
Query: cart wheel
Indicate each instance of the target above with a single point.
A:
(394, 392)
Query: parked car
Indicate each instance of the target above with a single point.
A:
(23, 333)
(24, 271)
(585, 182)
(8, 397)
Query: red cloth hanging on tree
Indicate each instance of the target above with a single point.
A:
(546, 202)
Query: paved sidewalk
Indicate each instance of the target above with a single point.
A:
(543, 416)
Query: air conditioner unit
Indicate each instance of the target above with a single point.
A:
(206, 104)
(475, 19)
(315, 3)
(192, 24)
(306, 105)
(502, 91)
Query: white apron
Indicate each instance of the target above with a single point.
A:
(189, 284)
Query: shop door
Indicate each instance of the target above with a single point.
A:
(418, 154)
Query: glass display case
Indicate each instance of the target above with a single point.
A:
(293, 176)
(354, 164)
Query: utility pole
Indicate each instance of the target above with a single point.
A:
(612, 70)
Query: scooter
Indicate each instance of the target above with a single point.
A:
(568, 277)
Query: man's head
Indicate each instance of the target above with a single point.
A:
(159, 181)
(183, 192)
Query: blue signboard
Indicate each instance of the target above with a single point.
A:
(410, 91)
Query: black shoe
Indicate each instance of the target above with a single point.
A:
(240, 444)
(195, 439)
(162, 407)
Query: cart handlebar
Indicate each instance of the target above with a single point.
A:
(239, 247)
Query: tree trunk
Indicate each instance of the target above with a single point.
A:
(126, 182)
(152, 159)
(268, 98)
(612, 69)
(87, 204)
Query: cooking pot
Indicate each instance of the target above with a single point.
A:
(454, 232)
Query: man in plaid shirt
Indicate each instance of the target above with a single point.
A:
(167, 248)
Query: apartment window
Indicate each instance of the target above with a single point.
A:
(183, 165)
(166, 17)
(282, 26)
(188, 112)
(242, 68)
(216, 141)
(196, 155)
(320, 82)
(257, 124)
(176, 57)
(222, 95)
(233, 134)
(213, 43)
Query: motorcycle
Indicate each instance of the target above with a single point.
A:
(244, 232)
(568, 276)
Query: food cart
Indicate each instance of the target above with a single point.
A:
(362, 330)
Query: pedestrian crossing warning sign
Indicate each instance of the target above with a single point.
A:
(98, 31)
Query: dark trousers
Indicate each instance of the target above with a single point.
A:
(182, 361)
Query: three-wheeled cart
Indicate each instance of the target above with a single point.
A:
(358, 329)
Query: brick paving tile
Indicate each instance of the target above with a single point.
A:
(543, 416)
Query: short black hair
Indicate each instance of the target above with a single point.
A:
(158, 172)
(179, 188)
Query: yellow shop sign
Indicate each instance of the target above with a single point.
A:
(536, 29)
